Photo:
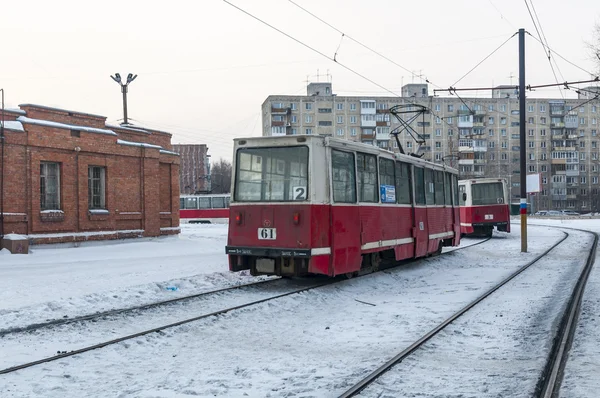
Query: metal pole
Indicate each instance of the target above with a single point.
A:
(522, 143)
(124, 91)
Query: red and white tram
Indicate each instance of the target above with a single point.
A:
(483, 206)
(321, 205)
(204, 208)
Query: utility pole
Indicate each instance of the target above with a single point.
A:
(523, 163)
(130, 77)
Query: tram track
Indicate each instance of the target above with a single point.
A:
(391, 363)
(119, 312)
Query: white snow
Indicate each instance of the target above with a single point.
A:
(98, 211)
(52, 211)
(137, 130)
(314, 344)
(14, 237)
(47, 123)
(140, 144)
(13, 125)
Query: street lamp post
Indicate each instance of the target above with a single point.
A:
(130, 77)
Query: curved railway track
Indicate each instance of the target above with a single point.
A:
(106, 314)
(549, 382)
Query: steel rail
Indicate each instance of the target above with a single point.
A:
(369, 379)
(171, 325)
(550, 381)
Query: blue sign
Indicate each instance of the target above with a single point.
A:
(388, 193)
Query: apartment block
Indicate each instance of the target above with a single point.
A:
(479, 136)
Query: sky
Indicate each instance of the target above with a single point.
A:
(204, 67)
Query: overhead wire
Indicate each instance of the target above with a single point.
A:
(535, 25)
(309, 47)
(483, 60)
(357, 42)
(563, 58)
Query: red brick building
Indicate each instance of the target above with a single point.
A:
(69, 176)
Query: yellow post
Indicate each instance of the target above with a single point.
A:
(523, 211)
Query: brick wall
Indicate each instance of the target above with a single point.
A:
(141, 184)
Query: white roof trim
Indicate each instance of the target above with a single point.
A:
(140, 144)
(136, 129)
(57, 125)
(13, 125)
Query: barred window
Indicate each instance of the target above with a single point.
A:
(96, 187)
(49, 186)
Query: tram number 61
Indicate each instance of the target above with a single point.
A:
(267, 233)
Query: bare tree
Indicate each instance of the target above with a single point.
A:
(220, 176)
(594, 46)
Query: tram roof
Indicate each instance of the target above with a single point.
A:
(338, 143)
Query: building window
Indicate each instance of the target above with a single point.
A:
(308, 119)
(438, 145)
(544, 168)
(531, 144)
(438, 120)
(438, 107)
(438, 132)
(450, 108)
(530, 133)
(49, 186)
(449, 120)
(308, 106)
(340, 106)
(450, 132)
(353, 131)
(294, 131)
(492, 144)
(502, 108)
(504, 156)
(542, 108)
(532, 169)
(340, 132)
(543, 132)
(503, 132)
(293, 106)
(582, 120)
(352, 107)
(352, 119)
(308, 131)
(491, 108)
(294, 119)
(340, 119)
(96, 187)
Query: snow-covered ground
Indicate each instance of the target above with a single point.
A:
(314, 344)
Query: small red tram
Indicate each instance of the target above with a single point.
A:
(320, 205)
(483, 206)
(204, 208)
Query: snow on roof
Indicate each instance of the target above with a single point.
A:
(13, 125)
(62, 110)
(168, 152)
(15, 110)
(57, 125)
(15, 237)
(140, 144)
(89, 233)
(136, 129)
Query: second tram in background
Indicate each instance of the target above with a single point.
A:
(483, 206)
(204, 208)
(321, 205)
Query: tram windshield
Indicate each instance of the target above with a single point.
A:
(271, 174)
(488, 194)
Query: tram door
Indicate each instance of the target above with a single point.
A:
(421, 234)
(345, 218)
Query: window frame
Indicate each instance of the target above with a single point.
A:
(102, 181)
(57, 194)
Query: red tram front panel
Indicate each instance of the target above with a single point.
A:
(484, 216)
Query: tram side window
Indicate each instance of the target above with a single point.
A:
(204, 203)
(218, 202)
(439, 187)
(344, 178)
(386, 181)
(448, 189)
(403, 185)
(191, 203)
(227, 201)
(461, 189)
(419, 186)
(455, 189)
(430, 187)
(181, 203)
(367, 178)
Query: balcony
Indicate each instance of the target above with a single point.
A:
(382, 137)
(277, 123)
(280, 111)
(383, 124)
(480, 148)
(559, 197)
(557, 125)
(478, 124)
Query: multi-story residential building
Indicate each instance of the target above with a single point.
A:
(194, 168)
(479, 136)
